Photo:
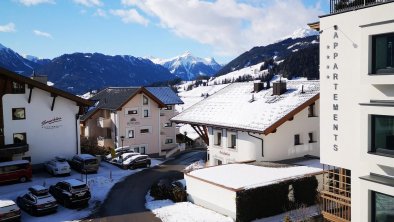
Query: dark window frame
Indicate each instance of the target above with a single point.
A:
(311, 139)
(17, 118)
(218, 139)
(373, 203)
(144, 129)
(145, 100)
(132, 112)
(24, 135)
(373, 148)
(297, 140)
(232, 145)
(168, 107)
(146, 113)
(18, 88)
(373, 56)
(312, 110)
(128, 134)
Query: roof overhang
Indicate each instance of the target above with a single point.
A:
(314, 25)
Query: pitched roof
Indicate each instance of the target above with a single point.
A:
(23, 79)
(114, 98)
(165, 94)
(232, 108)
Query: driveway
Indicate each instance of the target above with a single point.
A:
(126, 200)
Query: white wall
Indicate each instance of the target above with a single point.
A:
(355, 86)
(211, 196)
(44, 143)
(277, 146)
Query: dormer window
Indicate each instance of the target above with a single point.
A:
(145, 100)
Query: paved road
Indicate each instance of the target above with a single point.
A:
(126, 200)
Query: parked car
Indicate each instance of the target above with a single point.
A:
(85, 163)
(71, 193)
(123, 157)
(17, 170)
(9, 211)
(118, 151)
(37, 201)
(136, 161)
(58, 166)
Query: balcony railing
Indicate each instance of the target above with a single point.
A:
(348, 5)
(12, 149)
(336, 195)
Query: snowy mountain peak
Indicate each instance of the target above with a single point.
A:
(187, 66)
(2, 47)
(302, 33)
(31, 58)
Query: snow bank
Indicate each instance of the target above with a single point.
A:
(195, 166)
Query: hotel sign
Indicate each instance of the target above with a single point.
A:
(53, 123)
(334, 74)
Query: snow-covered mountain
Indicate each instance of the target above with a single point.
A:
(11, 60)
(188, 67)
(302, 33)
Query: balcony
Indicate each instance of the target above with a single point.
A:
(11, 149)
(105, 142)
(336, 195)
(104, 123)
(337, 6)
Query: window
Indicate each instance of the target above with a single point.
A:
(311, 110)
(146, 113)
(297, 139)
(218, 139)
(132, 112)
(169, 107)
(136, 149)
(142, 149)
(168, 141)
(20, 138)
(382, 207)
(311, 140)
(232, 140)
(383, 54)
(168, 124)
(130, 133)
(18, 113)
(18, 88)
(144, 130)
(382, 138)
(145, 100)
(108, 133)
(219, 162)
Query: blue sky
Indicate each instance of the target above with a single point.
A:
(222, 29)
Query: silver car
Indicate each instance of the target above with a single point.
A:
(58, 166)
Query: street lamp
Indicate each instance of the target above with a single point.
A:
(122, 139)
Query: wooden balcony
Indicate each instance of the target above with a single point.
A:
(336, 194)
(337, 6)
(11, 149)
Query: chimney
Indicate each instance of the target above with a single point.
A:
(39, 78)
(279, 88)
(258, 86)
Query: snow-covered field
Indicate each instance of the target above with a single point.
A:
(100, 184)
(169, 211)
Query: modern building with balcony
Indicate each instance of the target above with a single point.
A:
(357, 110)
(138, 117)
(247, 122)
(37, 121)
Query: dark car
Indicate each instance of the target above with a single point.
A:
(71, 193)
(85, 163)
(137, 161)
(37, 201)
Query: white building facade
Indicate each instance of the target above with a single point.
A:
(39, 122)
(357, 110)
(269, 128)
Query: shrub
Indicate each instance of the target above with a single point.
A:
(163, 190)
(262, 201)
(305, 190)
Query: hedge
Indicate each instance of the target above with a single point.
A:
(262, 201)
(305, 190)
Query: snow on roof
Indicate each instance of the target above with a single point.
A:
(38, 187)
(231, 106)
(13, 162)
(165, 95)
(74, 182)
(6, 203)
(245, 176)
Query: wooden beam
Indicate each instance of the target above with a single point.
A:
(53, 101)
(31, 90)
(198, 132)
(201, 133)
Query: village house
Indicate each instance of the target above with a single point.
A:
(37, 121)
(246, 122)
(138, 117)
(357, 110)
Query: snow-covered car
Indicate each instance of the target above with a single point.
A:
(123, 157)
(85, 163)
(58, 166)
(118, 151)
(37, 201)
(71, 193)
(9, 211)
(136, 161)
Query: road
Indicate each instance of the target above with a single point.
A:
(126, 200)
